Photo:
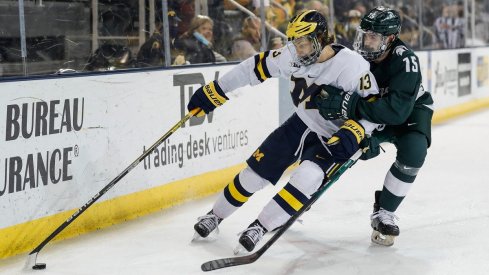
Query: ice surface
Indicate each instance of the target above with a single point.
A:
(444, 223)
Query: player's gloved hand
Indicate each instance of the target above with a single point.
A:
(370, 147)
(207, 97)
(345, 142)
(334, 103)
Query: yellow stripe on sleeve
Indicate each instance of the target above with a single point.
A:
(260, 66)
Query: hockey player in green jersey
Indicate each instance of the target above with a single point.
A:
(402, 105)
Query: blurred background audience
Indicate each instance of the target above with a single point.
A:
(130, 34)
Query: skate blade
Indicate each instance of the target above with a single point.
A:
(380, 239)
(213, 236)
(196, 237)
(239, 250)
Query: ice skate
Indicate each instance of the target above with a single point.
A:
(383, 224)
(250, 237)
(205, 225)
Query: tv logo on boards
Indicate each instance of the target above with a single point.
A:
(188, 84)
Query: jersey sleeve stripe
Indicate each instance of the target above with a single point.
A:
(257, 73)
(261, 70)
(264, 64)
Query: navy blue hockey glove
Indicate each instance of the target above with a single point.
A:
(370, 147)
(334, 103)
(346, 141)
(207, 97)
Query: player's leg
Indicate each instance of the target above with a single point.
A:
(304, 181)
(266, 165)
(412, 140)
(411, 152)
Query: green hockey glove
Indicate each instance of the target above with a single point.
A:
(334, 103)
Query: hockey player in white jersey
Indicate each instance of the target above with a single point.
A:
(311, 61)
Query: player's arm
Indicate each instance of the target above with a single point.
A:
(351, 135)
(251, 71)
(393, 109)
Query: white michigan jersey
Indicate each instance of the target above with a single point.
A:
(346, 70)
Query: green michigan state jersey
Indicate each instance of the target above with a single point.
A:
(399, 79)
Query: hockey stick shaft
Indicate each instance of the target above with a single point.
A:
(248, 259)
(110, 185)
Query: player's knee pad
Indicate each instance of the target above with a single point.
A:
(251, 181)
(404, 172)
(307, 177)
(412, 149)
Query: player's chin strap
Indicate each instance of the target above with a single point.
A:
(31, 260)
(251, 258)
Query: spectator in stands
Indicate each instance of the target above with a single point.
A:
(409, 28)
(186, 11)
(450, 28)
(345, 32)
(195, 45)
(442, 28)
(152, 52)
(457, 33)
(248, 42)
(319, 6)
(223, 31)
(109, 57)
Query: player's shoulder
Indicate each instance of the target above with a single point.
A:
(402, 56)
(347, 54)
(401, 51)
(282, 56)
(280, 53)
(349, 61)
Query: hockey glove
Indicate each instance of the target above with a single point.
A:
(207, 98)
(334, 103)
(345, 142)
(370, 147)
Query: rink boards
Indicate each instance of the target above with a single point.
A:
(65, 138)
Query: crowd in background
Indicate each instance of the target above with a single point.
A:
(228, 34)
(225, 33)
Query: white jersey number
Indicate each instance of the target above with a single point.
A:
(411, 65)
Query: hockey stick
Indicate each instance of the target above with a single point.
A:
(251, 258)
(32, 257)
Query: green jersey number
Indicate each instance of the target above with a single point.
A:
(411, 64)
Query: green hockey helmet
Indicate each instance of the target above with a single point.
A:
(376, 26)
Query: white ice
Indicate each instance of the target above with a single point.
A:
(444, 224)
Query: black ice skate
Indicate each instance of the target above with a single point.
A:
(250, 237)
(382, 222)
(206, 224)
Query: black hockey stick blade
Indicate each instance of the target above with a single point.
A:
(227, 262)
(251, 258)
